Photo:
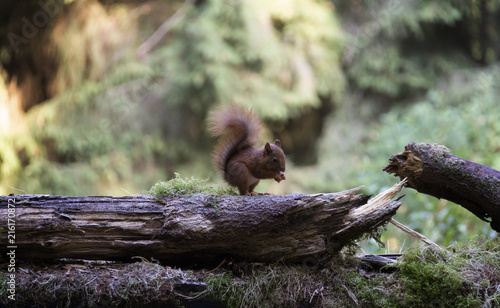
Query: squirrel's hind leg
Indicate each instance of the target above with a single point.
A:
(253, 183)
(237, 174)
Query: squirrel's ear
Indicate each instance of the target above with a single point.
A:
(267, 149)
(277, 142)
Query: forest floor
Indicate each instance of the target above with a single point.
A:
(464, 275)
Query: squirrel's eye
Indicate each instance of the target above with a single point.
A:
(275, 160)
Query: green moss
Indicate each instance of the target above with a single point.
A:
(119, 285)
(338, 283)
(226, 289)
(188, 186)
(464, 275)
(429, 284)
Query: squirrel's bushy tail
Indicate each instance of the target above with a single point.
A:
(239, 129)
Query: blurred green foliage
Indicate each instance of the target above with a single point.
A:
(81, 142)
(409, 57)
(126, 124)
(276, 58)
(393, 72)
(461, 113)
(406, 46)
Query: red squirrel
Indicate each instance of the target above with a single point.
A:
(243, 165)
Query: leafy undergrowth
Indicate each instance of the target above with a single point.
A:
(463, 275)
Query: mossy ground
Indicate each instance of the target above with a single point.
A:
(95, 285)
(463, 275)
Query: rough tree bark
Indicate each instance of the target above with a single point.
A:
(431, 170)
(199, 228)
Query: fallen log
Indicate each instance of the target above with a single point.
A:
(191, 229)
(431, 170)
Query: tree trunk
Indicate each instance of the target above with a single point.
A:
(199, 228)
(431, 170)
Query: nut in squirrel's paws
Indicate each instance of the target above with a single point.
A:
(279, 176)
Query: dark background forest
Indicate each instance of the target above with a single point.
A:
(109, 97)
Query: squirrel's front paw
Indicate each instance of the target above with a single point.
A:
(279, 176)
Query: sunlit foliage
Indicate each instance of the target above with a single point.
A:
(119, 123)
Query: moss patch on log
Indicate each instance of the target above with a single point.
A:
(188, 186)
